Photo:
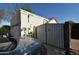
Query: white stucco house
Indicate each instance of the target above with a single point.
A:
(23, 23)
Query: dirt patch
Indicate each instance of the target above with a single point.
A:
(74, 44)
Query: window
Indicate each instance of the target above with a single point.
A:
(28, 18)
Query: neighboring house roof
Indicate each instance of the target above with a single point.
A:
(52, 20)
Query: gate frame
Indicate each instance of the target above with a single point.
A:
(67, 37)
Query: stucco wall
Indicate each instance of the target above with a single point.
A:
(34, 20)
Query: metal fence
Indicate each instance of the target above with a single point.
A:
(52, 33)
(60, 36)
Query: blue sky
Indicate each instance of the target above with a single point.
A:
(62, 12)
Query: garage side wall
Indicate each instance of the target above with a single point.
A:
(15, 26)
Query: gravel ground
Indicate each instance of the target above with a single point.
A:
(54, 51)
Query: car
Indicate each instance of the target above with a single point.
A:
(34, 48)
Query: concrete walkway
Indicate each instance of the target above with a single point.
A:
(25, 42)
